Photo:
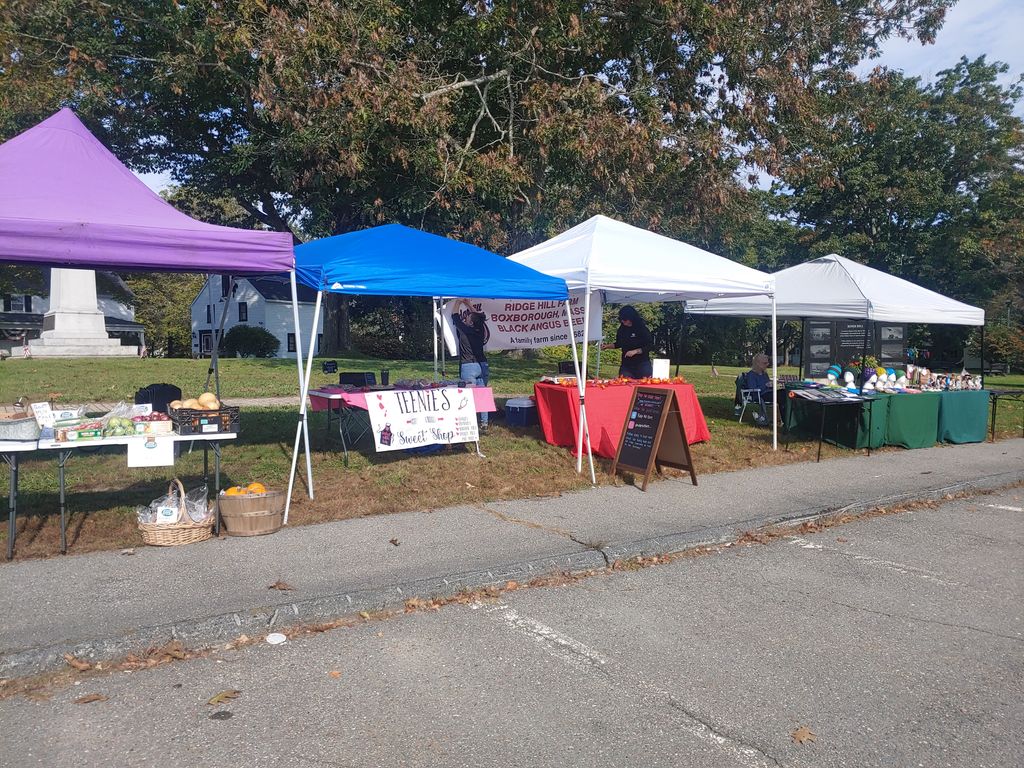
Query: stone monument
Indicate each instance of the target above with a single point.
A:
(74, 325)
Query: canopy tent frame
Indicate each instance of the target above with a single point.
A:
(66, 201)
(870, 295)
(654, 274)
(419, 264)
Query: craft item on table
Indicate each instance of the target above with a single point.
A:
(901, 379)
(850, 378)
(868, 380)
(833, 374)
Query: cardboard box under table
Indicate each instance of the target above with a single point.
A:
(558, 413)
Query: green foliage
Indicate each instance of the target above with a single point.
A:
(249, 341)
(390, 327)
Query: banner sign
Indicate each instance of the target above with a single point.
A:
(525, 324)
(411, 418)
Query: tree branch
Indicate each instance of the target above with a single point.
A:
(464, 84)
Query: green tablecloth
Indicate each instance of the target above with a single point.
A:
(913, 420)
(963, 416)
(845, 425)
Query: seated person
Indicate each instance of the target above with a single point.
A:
(756, 378)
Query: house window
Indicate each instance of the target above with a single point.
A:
(225, 283)
(291, 342)
(15, 304)
(28, 303)
(209, 314)
(243, 312)
(319, 341)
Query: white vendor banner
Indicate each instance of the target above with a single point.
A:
(525, 324)
(410, 418)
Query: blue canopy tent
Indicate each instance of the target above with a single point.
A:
(395, 260)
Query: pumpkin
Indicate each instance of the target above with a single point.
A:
(256, 488)
(235, 490)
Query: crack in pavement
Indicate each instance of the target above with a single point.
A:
(923, 620)
(596, 546)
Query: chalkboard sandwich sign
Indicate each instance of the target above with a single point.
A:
(653, 435)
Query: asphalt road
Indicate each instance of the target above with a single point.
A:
(897, 641)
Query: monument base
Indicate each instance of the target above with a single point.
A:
(57, 347)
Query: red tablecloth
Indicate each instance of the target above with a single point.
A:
(482, 396)
(558, 413)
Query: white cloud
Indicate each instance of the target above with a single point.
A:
(972, 28)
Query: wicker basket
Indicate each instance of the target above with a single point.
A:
(173, 534)
(252, 514)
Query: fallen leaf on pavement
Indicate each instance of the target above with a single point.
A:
(803, 734)
(282, 586)
(129, 551)
(335, 673)
(224, 697)
(77, 663)
(841, 540)
(394, 542)
(89, 698)
(364, 615)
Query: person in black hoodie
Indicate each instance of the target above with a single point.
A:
(472, 334)
(634, 339)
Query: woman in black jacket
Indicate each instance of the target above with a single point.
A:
(634, 339)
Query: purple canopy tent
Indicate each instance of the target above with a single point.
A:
(66, 201)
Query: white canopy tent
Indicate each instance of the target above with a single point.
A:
(834, 287)
(624, 264)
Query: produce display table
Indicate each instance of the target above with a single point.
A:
(11, 451)
(963, 416)
(913, 420)
(558, 413)
(344, 404)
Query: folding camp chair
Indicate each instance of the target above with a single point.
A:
(750, 397)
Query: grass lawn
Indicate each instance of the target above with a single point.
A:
(103, 496)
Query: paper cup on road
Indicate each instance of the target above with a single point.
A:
(276, 638)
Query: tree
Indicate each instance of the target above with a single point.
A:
(920, 180)
(500, 123)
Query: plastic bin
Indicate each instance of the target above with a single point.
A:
(521, 412)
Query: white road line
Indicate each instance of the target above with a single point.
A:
(908, 570)
(582, 657)
(558, 644)
(1003, 506)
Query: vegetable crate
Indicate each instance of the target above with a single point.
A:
(194, 421)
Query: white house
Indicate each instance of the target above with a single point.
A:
(263, 302)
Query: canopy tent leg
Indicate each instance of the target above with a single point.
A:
(775, 378)
(803, 343)
(581, 382)
(435, 313)
(298, 367)
(303, 393)
(581, 387)
(983, 359)
(214, 369)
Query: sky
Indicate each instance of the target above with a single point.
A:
(973, 27)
